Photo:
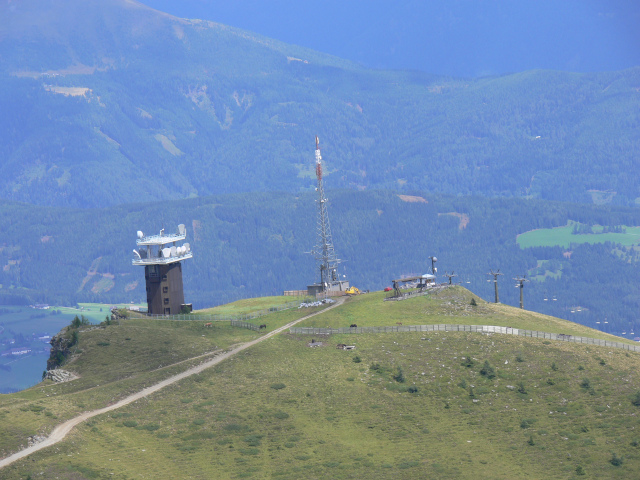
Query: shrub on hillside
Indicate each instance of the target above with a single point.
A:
(487, 370)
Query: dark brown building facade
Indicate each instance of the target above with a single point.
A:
(165, 294)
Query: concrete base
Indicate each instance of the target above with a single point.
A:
(333, 289)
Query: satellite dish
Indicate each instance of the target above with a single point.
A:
(166, 252)
(136, 252)
(187, 246)
(140, 234)
(174, 251)
(181, 229)
(435, 269)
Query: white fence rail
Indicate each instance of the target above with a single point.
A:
(563, 337)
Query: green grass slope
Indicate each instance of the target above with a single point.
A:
(402, 405)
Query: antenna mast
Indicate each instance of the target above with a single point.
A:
(521, 281)
(324, 253)
(495, 282)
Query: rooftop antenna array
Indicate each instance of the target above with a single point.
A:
(161, 257)
(434, 269)
(495, 282)
(323, 251)
(521, 281)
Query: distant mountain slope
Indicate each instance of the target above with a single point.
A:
(254, 244)
(112, 102)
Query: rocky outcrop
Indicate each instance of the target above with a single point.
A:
(60, 349)
(58, 375)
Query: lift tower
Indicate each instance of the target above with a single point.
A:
(324, 252)
(521, 281)
(161, 257)
(495, 282)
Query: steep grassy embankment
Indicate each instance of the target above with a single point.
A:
(402, 405)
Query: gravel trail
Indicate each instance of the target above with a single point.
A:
(63, 429)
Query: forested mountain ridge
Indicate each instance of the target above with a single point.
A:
(254, 244)
(112, 102)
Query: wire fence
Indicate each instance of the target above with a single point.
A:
(237, 320)
(466, 328)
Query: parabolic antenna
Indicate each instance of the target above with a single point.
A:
(140, 234)
(174, 251)
(187, 246)
(166, 252)
(181, 229)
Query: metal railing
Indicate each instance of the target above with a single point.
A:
(222, 317)
(466, 328)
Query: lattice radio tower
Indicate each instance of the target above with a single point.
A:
(323, 251)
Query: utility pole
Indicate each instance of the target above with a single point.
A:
(521, 280)
(450, 276)
(495, 282)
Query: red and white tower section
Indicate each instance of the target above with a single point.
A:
(325, 255)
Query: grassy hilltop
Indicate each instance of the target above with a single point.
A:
(402, 405)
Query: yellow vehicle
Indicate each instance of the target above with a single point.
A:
(352, 291)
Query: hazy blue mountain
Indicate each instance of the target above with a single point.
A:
(463, 38)
(112, 102)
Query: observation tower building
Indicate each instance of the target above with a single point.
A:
(162, 258)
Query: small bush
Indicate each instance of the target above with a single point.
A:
(350, 379)
(281, 415)
(580, 367)
(101, 344)
(356, 359)
(473, 302)
(198, 421)
(522, 389)
(527, 422)
(580, 470)
(551, 381)
(554, 367)
(472, 394)
(375, 367)
(519, 358)
(635, 399)
(635, 442)
(130, 423)
(252, 440)
(602, 362)
(531, 441)
(467, 362)
(412, 389)
(616, 461)
(586, 384)
(398, 375)
(463, 383)
(487, 370)
(278, 386)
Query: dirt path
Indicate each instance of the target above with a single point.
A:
(63, 429)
